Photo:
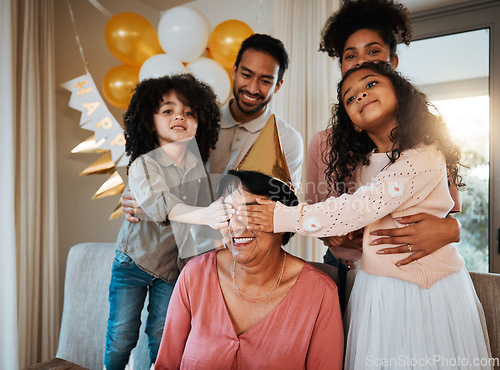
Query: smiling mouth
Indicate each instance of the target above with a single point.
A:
(242, 240)
(249, 98)
(365, 105)
(178, 128)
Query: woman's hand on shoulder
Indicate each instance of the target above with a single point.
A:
(422, 235)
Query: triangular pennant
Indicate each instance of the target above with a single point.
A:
(101, 166)
(89, 146)
(117, 212)
(114, 185)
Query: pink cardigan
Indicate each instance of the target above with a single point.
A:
(416, 182)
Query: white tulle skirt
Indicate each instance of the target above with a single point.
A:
(394, 324)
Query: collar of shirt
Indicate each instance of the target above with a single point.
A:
(190, 159)
(253, 126)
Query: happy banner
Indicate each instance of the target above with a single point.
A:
(96, 117)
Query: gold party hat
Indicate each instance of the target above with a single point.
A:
(266, 155)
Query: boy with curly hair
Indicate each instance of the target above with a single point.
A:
(171, 124)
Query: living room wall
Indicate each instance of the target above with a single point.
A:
(80, 218)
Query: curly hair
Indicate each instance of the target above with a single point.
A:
(391, 20)
(415, 124)
(148, 94)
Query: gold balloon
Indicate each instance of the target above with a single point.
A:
(230, 74)
(131, 38)
(225, 41)
(118, 85)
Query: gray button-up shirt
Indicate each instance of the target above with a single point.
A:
(156, 245)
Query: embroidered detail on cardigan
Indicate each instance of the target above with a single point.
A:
(312, 224)
(396, 190)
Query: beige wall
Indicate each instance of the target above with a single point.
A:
(80, 218)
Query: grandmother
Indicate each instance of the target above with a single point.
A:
(252, 305)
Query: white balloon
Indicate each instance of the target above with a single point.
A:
(160, 65)
(212, 73)
(183, 33)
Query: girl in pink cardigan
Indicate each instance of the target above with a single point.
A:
(403, 159)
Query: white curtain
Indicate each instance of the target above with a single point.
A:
(309, 86)
(8, 297)
(33, 88)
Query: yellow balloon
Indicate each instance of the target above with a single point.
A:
(118, 85)
(225, 41)
(131, 38)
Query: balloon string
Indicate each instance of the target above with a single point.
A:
(99, 7)
(85, 62)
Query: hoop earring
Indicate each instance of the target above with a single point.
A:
(357, 129)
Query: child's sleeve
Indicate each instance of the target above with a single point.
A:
(407, 181)
(150, 189)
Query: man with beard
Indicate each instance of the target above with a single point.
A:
(257, 74)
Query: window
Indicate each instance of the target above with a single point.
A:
(458, 87)
(466, 90)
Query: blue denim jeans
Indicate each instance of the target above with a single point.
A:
(127, 293)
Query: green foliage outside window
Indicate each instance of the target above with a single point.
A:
(473, 244)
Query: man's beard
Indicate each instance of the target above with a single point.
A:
(244, 108)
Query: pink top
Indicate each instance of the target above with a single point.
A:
(303, 331)
(416, 182)
(315, 169)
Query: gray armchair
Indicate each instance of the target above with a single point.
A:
(86, 308)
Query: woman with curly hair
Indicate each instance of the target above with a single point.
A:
(170, 126)
(425, 313)
(363, 31)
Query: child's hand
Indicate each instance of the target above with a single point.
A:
(219, 214)
(334, 241)
(347, 247)
(258, 217)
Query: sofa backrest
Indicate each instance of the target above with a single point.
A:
(86, 308)
(488, 291)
